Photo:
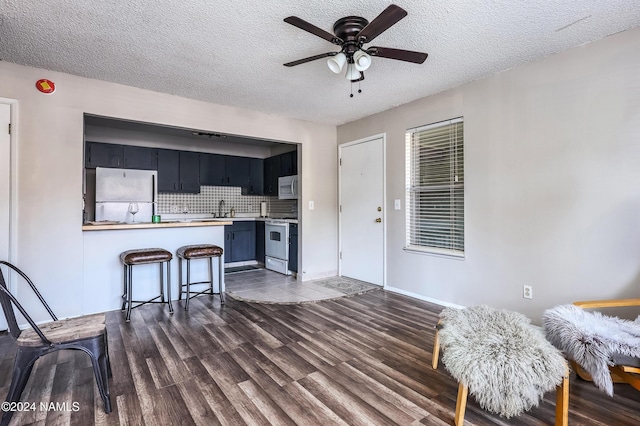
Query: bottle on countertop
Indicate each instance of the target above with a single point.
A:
(233, 212)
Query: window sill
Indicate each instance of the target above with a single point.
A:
(435, 252)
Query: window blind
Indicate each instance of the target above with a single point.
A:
(435, 188)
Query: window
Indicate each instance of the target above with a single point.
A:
(435, 188)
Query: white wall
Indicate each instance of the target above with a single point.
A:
(552, 191)
(50, 166)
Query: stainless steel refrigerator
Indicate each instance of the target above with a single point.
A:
(118, 189)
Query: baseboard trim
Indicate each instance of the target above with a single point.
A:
(424, 298)
(305, 276)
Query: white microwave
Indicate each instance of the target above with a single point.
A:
(288, 188)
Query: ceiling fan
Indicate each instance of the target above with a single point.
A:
(351, 33)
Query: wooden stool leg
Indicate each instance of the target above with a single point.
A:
(461, 404)
(436, 350)
(562, 402)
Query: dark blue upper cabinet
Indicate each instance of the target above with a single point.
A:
(178, 171)
(289, 163)
(271, 174)
(256, 177)
(168, 170)
(213, 170)
(189, 172)
(99, 154)
(140, 157)
(237, 171)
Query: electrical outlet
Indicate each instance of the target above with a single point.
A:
(527, 292)
(174, 208)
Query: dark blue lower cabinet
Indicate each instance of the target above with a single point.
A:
(293, 247)
(260, 239)
(240, 241)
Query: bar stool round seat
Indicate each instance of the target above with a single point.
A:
(199, 251)
(142, 256)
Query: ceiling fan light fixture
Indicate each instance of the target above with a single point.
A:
(352, 73)
(336, 62)
(362, 60)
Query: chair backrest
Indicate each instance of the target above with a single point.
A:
(7, 299)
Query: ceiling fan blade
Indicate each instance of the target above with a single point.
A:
(309, 59)
(399, 54)
(304, 25)
(381, 23)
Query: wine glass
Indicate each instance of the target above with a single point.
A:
(185, 211)
(133, 209)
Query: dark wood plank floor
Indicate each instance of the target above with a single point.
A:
(362, 360)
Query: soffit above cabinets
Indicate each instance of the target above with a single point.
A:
(119, 131)
(195, 134)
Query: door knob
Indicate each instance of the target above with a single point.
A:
(378, 220)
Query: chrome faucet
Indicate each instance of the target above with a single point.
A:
(220, 207)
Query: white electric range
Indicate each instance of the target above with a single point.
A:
(276, 248)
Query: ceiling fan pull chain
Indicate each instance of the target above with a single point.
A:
(351, 95)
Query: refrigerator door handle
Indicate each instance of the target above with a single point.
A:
(153, 195)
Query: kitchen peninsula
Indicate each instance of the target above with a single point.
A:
(103, 272)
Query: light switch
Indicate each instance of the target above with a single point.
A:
(396, 204)
(311, 205)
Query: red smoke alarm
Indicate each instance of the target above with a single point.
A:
(45, 86)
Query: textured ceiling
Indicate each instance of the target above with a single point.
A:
(232, 52)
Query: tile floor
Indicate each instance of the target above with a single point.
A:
(267, 286)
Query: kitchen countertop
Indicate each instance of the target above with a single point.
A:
(96, 226)
(261, 219)
(179, 221)
(239, 217)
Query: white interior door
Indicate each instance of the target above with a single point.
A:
(5, 194)
(362, 242)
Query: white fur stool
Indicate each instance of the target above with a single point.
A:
(501, 359)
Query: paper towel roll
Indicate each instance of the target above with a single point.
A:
(263, 209)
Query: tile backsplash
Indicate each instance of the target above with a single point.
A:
(207, 201)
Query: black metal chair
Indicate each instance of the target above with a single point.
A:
(87, 333)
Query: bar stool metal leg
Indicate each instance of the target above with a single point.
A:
(210, 264)
(129, 292)
(124, 289)
(161, 281)
(169, 286)
(188, 284)
(179, 278)
(220, 278)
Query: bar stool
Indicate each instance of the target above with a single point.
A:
(130, 258)
(200, 251)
